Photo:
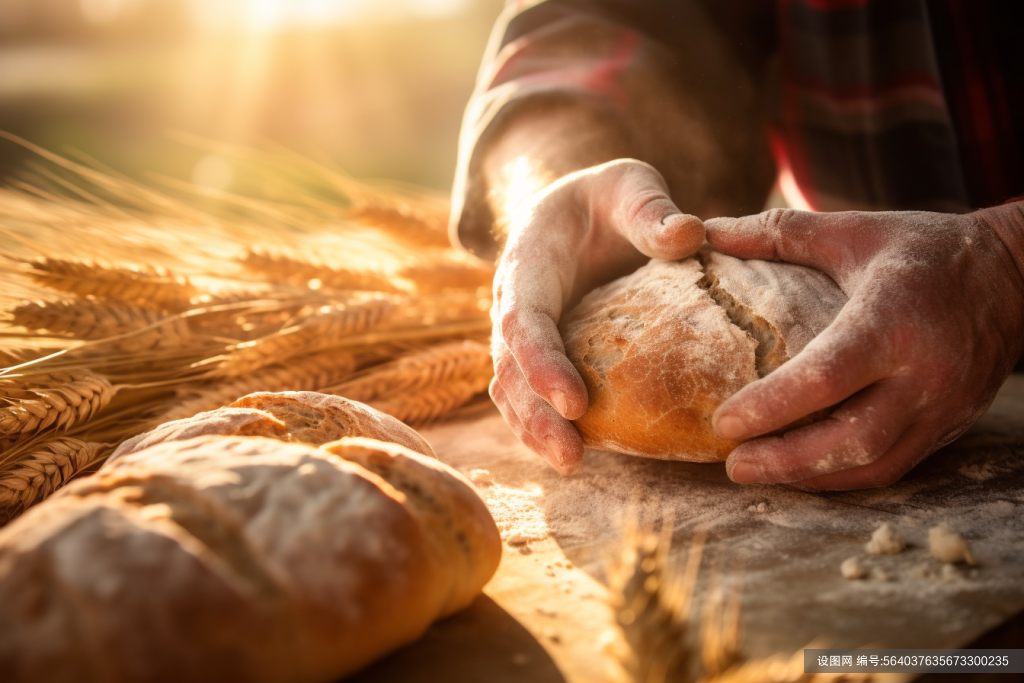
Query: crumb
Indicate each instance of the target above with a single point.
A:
(950, 573)
(949, 546)
(852, 568)
(879, 574)
(517, 539)
(481, 478)
(760, 508)
(886, 541)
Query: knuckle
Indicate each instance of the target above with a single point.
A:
(775, 220)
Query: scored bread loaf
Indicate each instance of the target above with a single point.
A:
(299, 416)
(239, 558)
(659, 350)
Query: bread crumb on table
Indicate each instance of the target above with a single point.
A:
(948, 546)
(886, 540)
(852, 568)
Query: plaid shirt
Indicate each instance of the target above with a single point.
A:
(879, 104)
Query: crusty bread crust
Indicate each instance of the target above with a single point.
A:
(659, 350)
(294, 416)
(239, 559)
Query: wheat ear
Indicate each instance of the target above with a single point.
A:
(416, 225)
(147, 285)
(54, 400)
(419, 370)
(43, 471)
(433, 402)
(282, 268)
(315, 332)
(447, 274)
(304, 374)
(91, 319)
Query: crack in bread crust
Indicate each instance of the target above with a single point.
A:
(770, 351)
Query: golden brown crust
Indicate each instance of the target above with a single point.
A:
(462, 533)
(232, 558)
(659, 350)
(317, 419)
(294, 416)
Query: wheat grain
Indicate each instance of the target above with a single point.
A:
(92, 319)
(306, 374)
(145, 285)
(430, 403)
(53, 400)
(316, 331)
(285, 269)
(418, 370)
(43, 471)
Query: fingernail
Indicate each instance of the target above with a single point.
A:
(745, 473)
(553, 450)
(558, 400)
(730, 427)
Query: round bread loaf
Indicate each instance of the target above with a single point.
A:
(659, 350)
(298, 416)
(239, 559)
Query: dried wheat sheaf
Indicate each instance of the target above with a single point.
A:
(341, 287)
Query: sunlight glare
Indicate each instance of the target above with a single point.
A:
(270, 15)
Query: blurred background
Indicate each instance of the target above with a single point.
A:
(377, 87)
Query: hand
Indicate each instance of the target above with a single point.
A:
(586, 229)
(934, 323)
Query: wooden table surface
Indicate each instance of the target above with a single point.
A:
(544, 616)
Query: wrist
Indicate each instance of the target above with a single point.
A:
(1007, 222)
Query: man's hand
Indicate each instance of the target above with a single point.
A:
(934, 323)
(586, 229)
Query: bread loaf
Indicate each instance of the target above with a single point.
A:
(295, 416)
(659, 350)
(239, 558)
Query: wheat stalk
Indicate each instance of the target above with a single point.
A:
(418, 370)
(43, 471)
(282, 268)
(316, 331)
(145, 285)
(53, 400)
(433, 402)
(306, 374)
(91, 319)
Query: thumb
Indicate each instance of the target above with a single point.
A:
(632, 197)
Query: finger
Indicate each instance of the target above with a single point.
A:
(528, 308)
(857, 434)
(634, 197)
(551, 435)
(916, 444)
(802, 237)
(839, 362)
(512, 420)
